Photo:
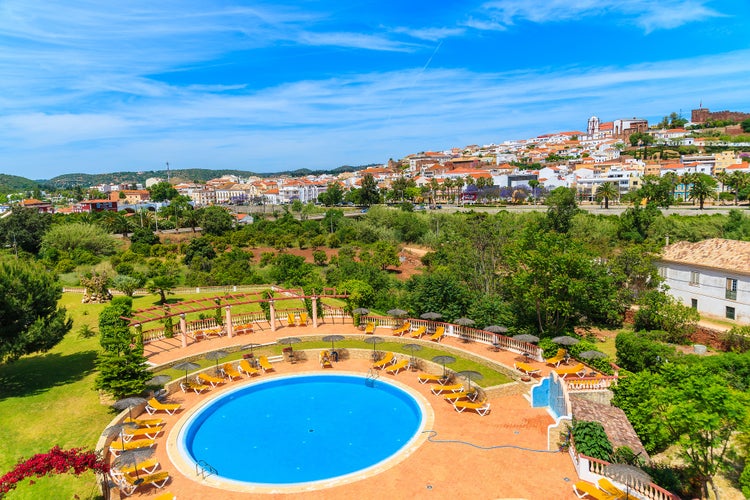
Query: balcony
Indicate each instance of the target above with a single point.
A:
(730, 294)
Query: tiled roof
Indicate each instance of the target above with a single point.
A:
(714, 253)
(617, 426)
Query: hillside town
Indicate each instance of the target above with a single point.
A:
(620, 152)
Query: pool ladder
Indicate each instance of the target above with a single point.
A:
(204, 469)
(372, 376)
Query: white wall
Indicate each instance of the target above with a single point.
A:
(710, 290)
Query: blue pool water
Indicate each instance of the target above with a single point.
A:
(301, 429)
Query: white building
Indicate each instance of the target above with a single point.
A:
(712, 276)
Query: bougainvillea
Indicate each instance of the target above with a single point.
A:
(75, 460)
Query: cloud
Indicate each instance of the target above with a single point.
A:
(647, 14)
(430, 34)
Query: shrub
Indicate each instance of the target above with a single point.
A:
(591, 440)
(636, 353)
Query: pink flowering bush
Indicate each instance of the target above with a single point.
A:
(75, 460)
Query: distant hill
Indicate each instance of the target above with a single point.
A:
(184, 175)
(13, 184)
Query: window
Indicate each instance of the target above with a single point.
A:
(694, 303)
(662, 272)
(730, 312)
(731, 291)
(695, 276)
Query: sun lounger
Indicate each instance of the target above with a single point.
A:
(387, 360)
(148, 466)
(605, 485)
(290, 320)
(579, 369)
(157, 480)
(325, 359)
(398, 366)
(439, 389)
(243, 328)
(482, 408)
(166, 496)
(455, 396)
(209, 379)
(265, 364)
(369, 328)
(557, 358)
(141, 433)
(154, 405)
(116, 447)
(191, 385)
(583, 489)
(439, 333)
(302, 319)
(230, 371)
(248, 370)
(148, 422)
(526, 368)
(429, 377)
(418, 332)
(404, 328)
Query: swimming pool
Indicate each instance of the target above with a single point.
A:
(301, 429)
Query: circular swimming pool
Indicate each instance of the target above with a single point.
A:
(301, 429)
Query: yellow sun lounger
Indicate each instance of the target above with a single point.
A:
(154, 405)
(265, 364)
(557, 358)
(579, 369)
(116, 447)
(248, 370)
(290, 320)
(148, 422)
(369, 328)
(398, 366)
(418, 332)
(325, 359)
(439, 389)
(387, 360)
(141, 432)
(209, 379)
(194, 386)
(148, 466)
(166, 496)
(482, 408)
(526, 368)
(605, 485)
(429, 377)
(302, 319)
(455, 396)
(439, 333)
(157, 480)
(404, 328)
(583, 489)
(230, 371)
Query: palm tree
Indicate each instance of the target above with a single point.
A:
(534, 184)
(704, 186)
(607, 191)
(738, 181)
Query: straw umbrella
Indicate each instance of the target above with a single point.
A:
(527, 337)
(374, 341)
(216, 356)
(444, 360)
(332, 339)
(250, 346)
(116, 429)
(361, 311)
(469, 375)
(431, 316)
(592, 355)
(398, 313)
(129, 403)
(133, 457)
(413, 348)
(464, 322)
(187, 366)
(565, 340)
(496, 329)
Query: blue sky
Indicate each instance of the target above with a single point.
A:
(267, 86)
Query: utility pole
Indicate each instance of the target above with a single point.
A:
(168, 172)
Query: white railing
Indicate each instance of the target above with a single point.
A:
(592, 469)
(583, 384)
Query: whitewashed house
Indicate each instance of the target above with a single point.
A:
(711, 276)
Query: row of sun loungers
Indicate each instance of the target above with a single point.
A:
(205, 381)
(419, 332)
(292, 320)
(456, 394)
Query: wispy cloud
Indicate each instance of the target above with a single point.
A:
(647, 14)
(431, 34)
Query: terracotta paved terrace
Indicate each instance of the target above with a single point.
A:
(434, 469)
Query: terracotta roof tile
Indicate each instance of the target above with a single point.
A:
(714, 253)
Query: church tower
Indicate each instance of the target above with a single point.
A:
(593, 127)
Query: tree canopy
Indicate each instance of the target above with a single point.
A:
(30, 320)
